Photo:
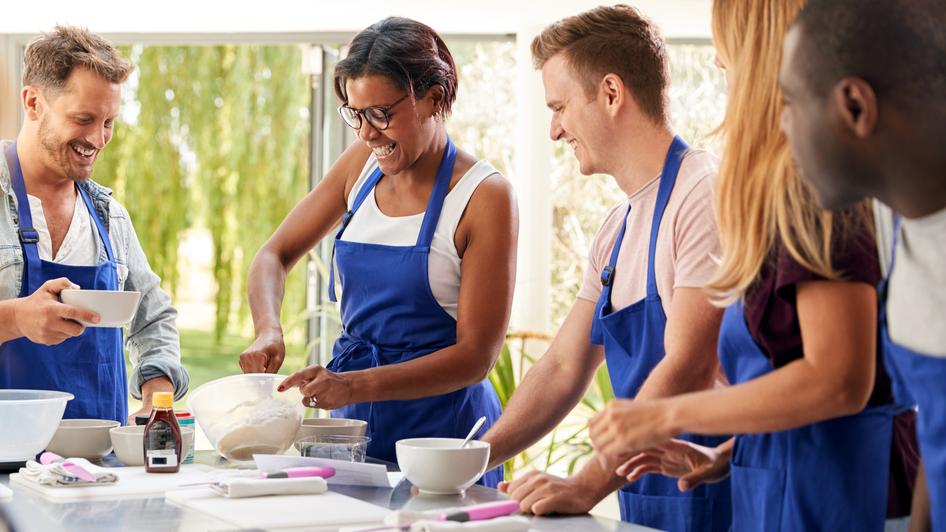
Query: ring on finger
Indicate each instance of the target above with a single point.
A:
(312, 401)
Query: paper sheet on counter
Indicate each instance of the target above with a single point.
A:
(346, 473)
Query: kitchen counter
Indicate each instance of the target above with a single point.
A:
(30, 512)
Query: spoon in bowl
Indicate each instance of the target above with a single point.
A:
(476, 427)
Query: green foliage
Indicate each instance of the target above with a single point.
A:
(220, 141)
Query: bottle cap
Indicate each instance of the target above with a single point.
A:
(163, 399)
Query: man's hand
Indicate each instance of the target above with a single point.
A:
(626, 426)
(320, 387)
(158, 384)
(541, 493)
(692, 464)
(265, 355)
(43, 319)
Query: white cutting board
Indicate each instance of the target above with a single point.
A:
(328, 509)
(133, 483)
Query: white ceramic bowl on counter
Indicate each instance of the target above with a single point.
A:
(82, 438)
(129, 443)
(439, 466)
(28, 420)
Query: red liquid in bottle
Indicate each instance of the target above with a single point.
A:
(162, 437)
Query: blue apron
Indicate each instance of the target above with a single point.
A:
(920, 379)
(90, 366)
(390, 316)
(829, 475)
(633, 340)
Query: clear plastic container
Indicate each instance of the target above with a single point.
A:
(243, 415)
(28, 421)
(347, 448)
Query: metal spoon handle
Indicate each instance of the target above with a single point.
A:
(473, 431)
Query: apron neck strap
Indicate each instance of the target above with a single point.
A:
(668, 178)
(437, 196)
(28, 235)
(99, 225)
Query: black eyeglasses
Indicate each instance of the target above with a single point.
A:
(376, 115)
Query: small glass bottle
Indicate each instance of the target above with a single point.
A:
(162, 437)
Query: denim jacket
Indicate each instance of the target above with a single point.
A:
(151, 339)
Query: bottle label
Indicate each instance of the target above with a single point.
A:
(162, 458)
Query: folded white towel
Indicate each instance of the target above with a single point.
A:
(509, 523)
(56, 474)
(255, 487)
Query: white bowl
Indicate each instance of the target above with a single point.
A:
(129, 443)
(82, 438)
(28, 420)
(439, 466)
(243, 415)
(327, 426)
(115, 308)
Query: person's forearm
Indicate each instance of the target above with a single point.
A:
(796, 394)
(596, 480)
(541, 401)
(672, 377)
(920, 520)
(266, 285)
(158, 384)
(8, 327)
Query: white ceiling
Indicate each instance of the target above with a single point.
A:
(677, 18)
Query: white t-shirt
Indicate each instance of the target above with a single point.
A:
(916, 301)
(371, 226)
(80, 245)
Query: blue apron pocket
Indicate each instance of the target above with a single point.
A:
(757, 498)
(682, 513)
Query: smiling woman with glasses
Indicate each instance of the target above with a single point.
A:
(416, 215)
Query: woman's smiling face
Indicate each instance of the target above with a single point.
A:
(412, 122)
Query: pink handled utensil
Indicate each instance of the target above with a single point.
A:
(476, 512)
(74, 469)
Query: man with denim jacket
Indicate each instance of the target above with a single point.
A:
(55, 239)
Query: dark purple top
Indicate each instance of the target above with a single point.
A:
(772, 316)
(770, 306)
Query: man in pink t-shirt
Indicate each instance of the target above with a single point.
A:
(605, 74)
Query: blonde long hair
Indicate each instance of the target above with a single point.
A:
(760, 195)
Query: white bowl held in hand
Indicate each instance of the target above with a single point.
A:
(82, 438)
(28, 420)
(130, 446)
(439, 466)
(115, 308)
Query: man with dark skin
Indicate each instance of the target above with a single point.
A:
(865, 112)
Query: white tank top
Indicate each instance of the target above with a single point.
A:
(371, 226)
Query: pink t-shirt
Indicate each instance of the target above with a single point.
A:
(686, 242)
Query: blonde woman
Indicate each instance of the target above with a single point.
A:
(798, 340)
